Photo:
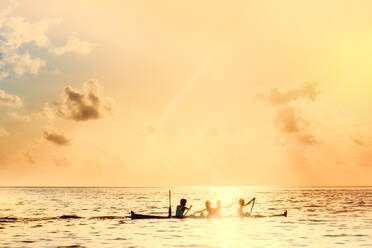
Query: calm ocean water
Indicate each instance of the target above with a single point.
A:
(317, 217)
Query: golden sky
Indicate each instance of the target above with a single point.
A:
(159, 93)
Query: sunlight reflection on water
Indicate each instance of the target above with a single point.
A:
(318, 217)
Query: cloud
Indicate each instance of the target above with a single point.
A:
(16, 116)
(9, 99)
(357, 140)
(84, 105)
(307, 90)
(47, 112)
(306, 140)
(147, 131)
(3, 132)
(15, 32)
(56, 137)
(29, 157)
(287, 120)
(73, 45)
(23, 63)
(3, 74)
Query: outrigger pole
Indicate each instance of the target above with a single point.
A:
(170, 206)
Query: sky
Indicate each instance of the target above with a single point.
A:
(175, 93)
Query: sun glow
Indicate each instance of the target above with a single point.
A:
(182, 95)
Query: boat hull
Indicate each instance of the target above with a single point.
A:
(135, 216)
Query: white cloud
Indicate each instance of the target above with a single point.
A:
(5, 12)
(23, 63)
(73, 45)
(15, 32)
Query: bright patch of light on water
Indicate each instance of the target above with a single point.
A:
(317, 217)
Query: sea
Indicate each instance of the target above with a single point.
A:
(99, 217)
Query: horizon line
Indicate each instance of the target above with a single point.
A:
(194, 186)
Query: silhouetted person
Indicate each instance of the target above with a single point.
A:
(210, 211)
(217, 210)
(181, 208)
(242, 204)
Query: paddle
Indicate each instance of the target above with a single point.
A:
(187, 210)
(170, 206)
(252, 206)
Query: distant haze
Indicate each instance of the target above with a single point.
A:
(163, 93)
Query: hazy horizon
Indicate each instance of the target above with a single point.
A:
(188, 186)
